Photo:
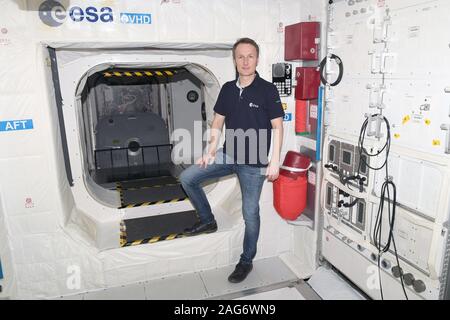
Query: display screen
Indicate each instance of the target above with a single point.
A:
(346, 157)
(331, 154)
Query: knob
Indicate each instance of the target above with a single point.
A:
(360, 247)
(385, 264)
(373, 256)
(397, 271)
(349, 241)
(409, 279)
(419, 286)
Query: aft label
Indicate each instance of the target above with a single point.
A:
(16, 125)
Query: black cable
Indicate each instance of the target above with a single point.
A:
(385, 191)
(341, 70)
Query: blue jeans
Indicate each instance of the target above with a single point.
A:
(251, 180)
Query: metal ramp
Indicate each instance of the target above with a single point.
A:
(150, 191)
(156, 228)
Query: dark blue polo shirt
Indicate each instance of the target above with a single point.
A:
(248, 113)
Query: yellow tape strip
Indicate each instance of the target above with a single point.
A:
(171, 237)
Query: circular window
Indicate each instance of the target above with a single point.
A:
(192, 96)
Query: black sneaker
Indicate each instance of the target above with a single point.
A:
(240, 273)
(200, 228)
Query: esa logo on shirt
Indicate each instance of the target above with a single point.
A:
(252, 105)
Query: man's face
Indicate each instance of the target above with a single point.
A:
(245, 59)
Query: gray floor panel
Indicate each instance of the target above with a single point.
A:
(130, 292)
(217, 284)
(273, 271)
(182, 287)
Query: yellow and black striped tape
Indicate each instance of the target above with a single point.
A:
(120, 189)
(144, 204)
(153, 239)
(123, 234)
(110, 74)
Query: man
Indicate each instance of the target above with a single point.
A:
(250, 107)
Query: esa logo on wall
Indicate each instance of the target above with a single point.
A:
(53, 13)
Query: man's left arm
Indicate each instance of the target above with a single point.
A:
(273, 169)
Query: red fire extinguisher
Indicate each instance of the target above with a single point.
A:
(290, 189)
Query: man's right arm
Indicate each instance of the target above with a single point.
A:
(215, 133)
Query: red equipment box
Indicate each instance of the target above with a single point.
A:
(308, 82)
(300, 41)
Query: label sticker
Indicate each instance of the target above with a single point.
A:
(406, 119)
(16, 125)
(313, 111)
(436, 142)
(288, 117)
(312, 178)
(284, 105)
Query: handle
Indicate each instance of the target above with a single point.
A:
(296, 169)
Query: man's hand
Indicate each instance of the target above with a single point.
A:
(272, 171)
(206, 159)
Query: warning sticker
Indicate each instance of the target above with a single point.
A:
(312, 178)
(313, 111)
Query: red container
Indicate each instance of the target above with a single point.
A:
(301, 117)
(290, 196)
(308, 82)
(295, 161)
(290, 189)
(301, 41)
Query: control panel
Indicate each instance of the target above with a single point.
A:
(282, 78)
(348, 164)
(348, 210)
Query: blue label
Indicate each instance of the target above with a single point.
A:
(135, 18)
(287, 117)
(15, 125)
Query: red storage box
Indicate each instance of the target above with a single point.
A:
(308, 82)
(301, 41)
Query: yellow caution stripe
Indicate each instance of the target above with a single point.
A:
(120, 189)
(123, 234)
(109, 74)
(153, 239)
(143, 204)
